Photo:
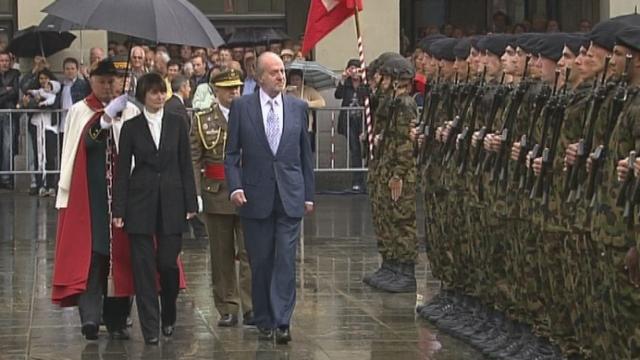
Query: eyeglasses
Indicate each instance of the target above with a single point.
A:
(137, 57)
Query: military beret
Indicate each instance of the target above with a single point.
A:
(474, 40)
(120, 63)
(399, 68)
(443, 49)
(495, 44)
(380, 60)
(227, 78)
(551, 46)
(528, 41)
(629, 19)
(425, 42)
(629, 37)
(604, 33)
(462, 48)
(103, 68)
(575, 41)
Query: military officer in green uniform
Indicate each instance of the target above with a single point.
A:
(208, 140)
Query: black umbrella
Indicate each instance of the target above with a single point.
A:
(54, 23)
(31, 41)
(245, 37)
(166, 21)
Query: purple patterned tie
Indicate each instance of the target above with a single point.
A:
(273, 128)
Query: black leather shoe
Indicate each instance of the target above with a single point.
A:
(248, 320)
(283, 336)
(152, 341)
(167, 330)
(121, 334)
(228, 320)
(90, 330)
(265, 333)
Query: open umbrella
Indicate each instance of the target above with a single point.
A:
(314, 74)
(167, 21)
(54, 23)
(246, 37)
(32, 41)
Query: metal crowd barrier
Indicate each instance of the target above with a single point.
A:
(24, 141)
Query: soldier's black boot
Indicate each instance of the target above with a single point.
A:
(402, 281)
(384, 271)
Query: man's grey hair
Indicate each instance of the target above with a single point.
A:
(177, 82)
(163, 56)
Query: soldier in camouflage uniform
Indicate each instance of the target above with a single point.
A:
(226, 240)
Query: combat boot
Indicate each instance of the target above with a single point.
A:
(402, 281)
(382, 272)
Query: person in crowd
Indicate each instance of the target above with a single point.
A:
(224, 56)
(226, 240)
(350, 121)
(187, 69)
(311, 96)
(160, 66)
(44, 128)
(237, 53)
(500, 22)
(162, 48)
(553, 26)
(275, 47)
(174, 69)
(186, 53)
(584, 26)
(74, 89)
(122, 50)
(138, 67)
(212, 56)
(84, 240)
(199, 72)
(9, 91)
(96, 54)
(271, 182)
(287, 56)
(154, 203)
(149, 59)
(250, 84)
(176, 104)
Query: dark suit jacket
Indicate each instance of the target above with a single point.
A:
(175, 107)
(250, 165)
(162, 179)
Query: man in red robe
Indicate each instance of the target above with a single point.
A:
(92, 256)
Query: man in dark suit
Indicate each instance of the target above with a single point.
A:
(269, 171)
(176, 104)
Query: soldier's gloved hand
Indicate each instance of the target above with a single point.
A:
(515, 151)
(496, 141)
(395, 184)
(570, 155)
(636, 168)
(632, 266)
(446, 131)
(475, 138)
(200, 204)
(487, 142)
(623, 169)
(537, 166)
(116, 105)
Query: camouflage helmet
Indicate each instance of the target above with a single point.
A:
(399, 68)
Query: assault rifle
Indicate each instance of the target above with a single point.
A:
(427, 122)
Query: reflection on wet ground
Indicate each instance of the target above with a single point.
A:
(336, 317)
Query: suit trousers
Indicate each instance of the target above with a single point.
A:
(147, 262)
(271, 244)
(226, 243)
(94, 304)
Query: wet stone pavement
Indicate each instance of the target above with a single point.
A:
(336, 317)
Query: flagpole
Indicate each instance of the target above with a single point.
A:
(367, 105)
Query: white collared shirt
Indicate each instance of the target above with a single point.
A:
(277, 108)
(154, 120)
(224, 111)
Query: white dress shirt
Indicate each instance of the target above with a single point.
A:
(224, 111)
(265, 103)
(154, 120)
(67, 100)
(249, 86)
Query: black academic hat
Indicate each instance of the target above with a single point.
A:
(575, 41)
(629, 37)
(551, 46)
(103, 68)
(462, 48)
(495, 44)
(425, 42)
(443, 49)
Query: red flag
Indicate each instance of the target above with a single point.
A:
(324, 16)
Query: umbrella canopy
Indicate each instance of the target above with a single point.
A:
(244, 37)
(54, 23)
(167, 21)
(31, 41)
(315, 75)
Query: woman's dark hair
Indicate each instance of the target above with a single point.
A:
(294, 72)
(47, 73)
(149, 82)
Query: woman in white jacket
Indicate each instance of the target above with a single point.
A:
(46, 125)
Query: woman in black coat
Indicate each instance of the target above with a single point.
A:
(155, 200)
